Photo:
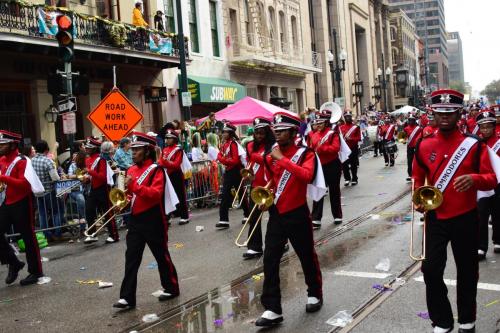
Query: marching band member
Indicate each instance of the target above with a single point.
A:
(172, 159)
(496, 110)
(230, 156)
(488, 203)
(292, 168)
(153, 198)
(326, 143)
(18, 181)
(458, 165)
(431, 127)
(352, 136)
(263, 140)
(378, 145)
(389, 137)
(413, 133)
(100, 177)
(472, 126)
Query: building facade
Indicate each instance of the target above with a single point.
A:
(429, 18)
(360, 31)
(455, 57)
(268, 48)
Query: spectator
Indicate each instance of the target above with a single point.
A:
(77, 195)
(137, 18)
(48, 204)
(197, 153)
(158, 20)
(123, 155)
(28, 151)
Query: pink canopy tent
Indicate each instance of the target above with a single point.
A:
(245, 110)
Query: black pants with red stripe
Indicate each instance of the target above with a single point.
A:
(295, 226)
(98, 202)
(487, 207)
(232, 179)
(332, 172)
(462, 232)
(410, 153)
(255, 243)
(151, 228)
(350, 166)
(177, 180)
(22, 216)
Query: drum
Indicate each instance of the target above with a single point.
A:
(372, 133)
(391, 147)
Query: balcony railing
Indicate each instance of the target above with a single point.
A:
(290, 55)
(39, 21)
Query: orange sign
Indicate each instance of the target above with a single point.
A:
(115, 116)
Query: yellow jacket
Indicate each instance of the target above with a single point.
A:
(137, 19)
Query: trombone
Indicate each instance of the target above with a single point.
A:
(260, 196)
(119, 199)
(430, 198)
(245, 173)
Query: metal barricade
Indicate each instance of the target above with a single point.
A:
(204, 185)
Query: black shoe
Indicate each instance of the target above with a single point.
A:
(386, 164)
(481, 255)
(250, 255)
(166, 296)
(496, 248)
(337, 221)
(222, 225)
(14, 272)
(244, 220)
(375, 155)
(30, 279)
(183, 221)
(263, 322)
(314, 307)
(120, 305)
(469, 330)
(354, 183)
(392, 164)
(316, 225)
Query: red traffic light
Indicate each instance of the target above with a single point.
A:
(64, 22)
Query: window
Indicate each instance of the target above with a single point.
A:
(393, 33)
(213, 28)
(248, 22)
(295, 39)
(193, 26)
(168, 8)
(272, 24)
(283, 41)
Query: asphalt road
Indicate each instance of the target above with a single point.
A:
(220, 292)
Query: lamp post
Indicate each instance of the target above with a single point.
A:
(358, 91)
(51, 114)
(384, 78)
(377, 91)
(337, 70)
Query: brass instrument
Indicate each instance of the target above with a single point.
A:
(245, 173)
(2, 185)
(119, 199)
(260, 196)
(80, 174)
(430, 198)
(402, 137)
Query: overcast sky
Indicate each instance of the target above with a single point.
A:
(478, 22)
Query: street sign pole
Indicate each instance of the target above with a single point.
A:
(186, 111)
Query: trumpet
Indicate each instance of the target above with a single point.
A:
(260, 196)
(430, 198)
(245, 173)
(119, 199)
(2, 185)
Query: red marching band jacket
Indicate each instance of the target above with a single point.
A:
(302, 173)
(327, 148)
(388, 131)
(18, 187)
(256, 160)
(494, 143)
(228, 155)
(413, 133)
(429, 130)
(150, 192)
(433, 157)
(472, 126)
(351, 136)
(99, 173)
(171, 159)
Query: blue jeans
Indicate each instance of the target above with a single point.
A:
(50, 207)
(80, 205)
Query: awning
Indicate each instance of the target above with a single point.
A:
(214, 90)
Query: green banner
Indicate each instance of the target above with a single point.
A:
(214, 90)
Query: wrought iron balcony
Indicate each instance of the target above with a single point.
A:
(36, 24)
(269, 52)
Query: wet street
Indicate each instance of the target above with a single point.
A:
(367, 274)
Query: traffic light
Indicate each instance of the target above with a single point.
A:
(65, 37)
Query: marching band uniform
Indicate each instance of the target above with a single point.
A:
(16, 209)
(413, 133)
(377, 145)
(440, 159)
(229, 156)
(98, 198)
(472, 126)
(289, 218)
(352, 136)
(388, 134)
(489, 202)
(496, 110)
(153, 198)
(326, 144)
(261, 178)
(172, 158)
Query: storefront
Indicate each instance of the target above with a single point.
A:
(212, 94)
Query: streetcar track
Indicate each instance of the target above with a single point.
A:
(338, 231)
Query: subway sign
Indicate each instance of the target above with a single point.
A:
(214, 90)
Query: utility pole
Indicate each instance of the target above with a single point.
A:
(183, 85)
(338, 77)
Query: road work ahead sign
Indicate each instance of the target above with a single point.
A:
(115, 116)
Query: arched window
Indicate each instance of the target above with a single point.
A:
(283, 32)
(248, 23)
(272, 23)
(394, 55)
(295, 37)
(393, 33)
